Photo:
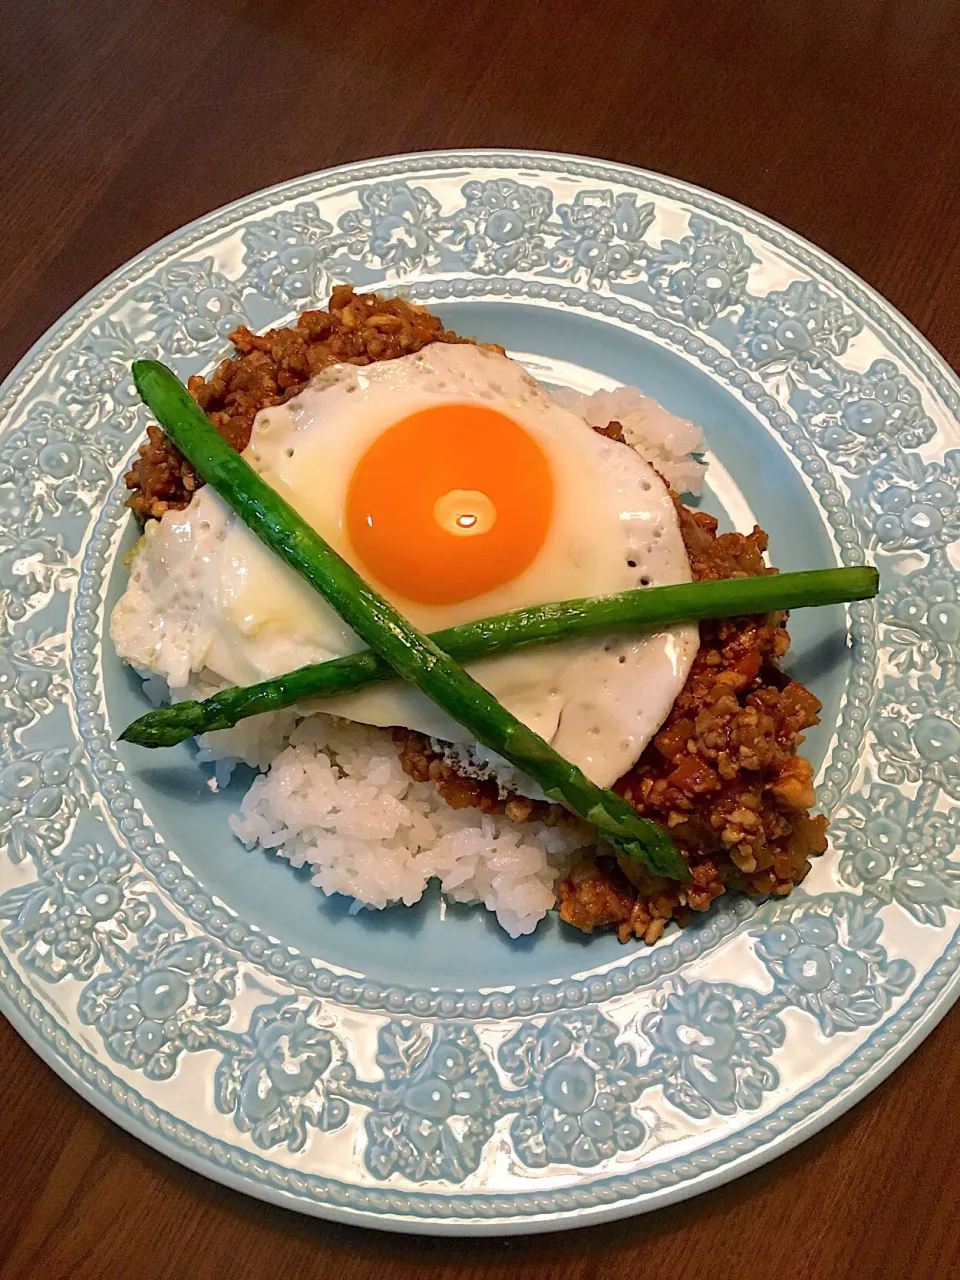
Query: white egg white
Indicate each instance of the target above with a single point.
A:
(206, 598)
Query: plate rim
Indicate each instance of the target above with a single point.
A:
(704, 196)
(564, 1220)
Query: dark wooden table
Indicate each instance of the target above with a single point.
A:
(123, 119)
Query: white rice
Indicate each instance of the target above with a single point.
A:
(332, 794)
(337, 799)
(663, 439)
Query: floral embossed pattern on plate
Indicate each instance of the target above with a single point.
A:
(427, 1075)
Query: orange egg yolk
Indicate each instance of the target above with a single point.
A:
(450, 503)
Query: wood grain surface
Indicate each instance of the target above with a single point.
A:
(122, 119)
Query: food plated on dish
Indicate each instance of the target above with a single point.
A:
(622, 742)
(248, 1024)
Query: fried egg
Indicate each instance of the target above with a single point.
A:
(455, 484)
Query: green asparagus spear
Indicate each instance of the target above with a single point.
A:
(412, 655)
(540, 624)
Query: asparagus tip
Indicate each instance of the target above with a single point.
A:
(135, 736)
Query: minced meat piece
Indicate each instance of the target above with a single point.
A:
(420, 762)
(600, 894)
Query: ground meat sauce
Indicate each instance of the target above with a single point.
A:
(722, 775)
